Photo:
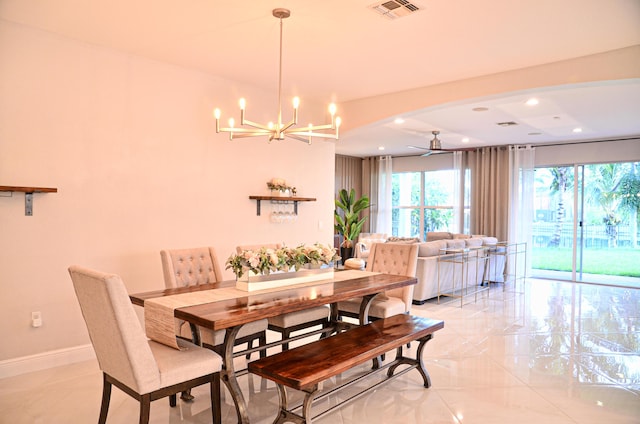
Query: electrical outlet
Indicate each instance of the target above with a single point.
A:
(36, 319)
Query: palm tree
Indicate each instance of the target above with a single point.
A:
(562, 181)
(630, 194)
(603, 190)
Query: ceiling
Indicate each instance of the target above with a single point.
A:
(342, 51)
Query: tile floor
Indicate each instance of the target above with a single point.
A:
(541, 352)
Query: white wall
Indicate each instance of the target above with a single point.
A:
(552, 155)
(612, 65)
(131, 146)
(586, 153)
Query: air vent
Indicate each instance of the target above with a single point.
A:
(507, 124)
(394, 9)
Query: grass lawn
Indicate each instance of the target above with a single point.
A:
(619, 261)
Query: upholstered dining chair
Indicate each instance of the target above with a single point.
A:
(189, 267)
(144, 369)
(387, 258)
(290, 322)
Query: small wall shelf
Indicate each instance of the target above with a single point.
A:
(28, 195)
(281, 199)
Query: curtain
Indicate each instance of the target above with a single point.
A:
(370, 189)
(521, 195)
(458, 192)
(348, 175)
(377, 173)
(385, 174)
(490, 191)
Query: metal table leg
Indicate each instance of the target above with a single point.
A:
(228, 375)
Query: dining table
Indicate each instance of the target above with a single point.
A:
(222, 306)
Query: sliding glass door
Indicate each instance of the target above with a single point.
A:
(552, 230)
(586, 223)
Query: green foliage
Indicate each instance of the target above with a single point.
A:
(347, 215)
(630, 190)
(619, 261)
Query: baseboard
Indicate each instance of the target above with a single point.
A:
(45, 360)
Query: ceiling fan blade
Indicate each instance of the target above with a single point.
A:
(460, 149)
(427, 151)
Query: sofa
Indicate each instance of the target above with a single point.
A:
(453, 269)
(433, 262)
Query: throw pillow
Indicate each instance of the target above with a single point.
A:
(406, 240)
(435, 235)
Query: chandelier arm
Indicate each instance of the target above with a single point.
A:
(287, 126)
(248, 134)
(295, 137)
(312, 134)
(257, 125)
(317, 127)
(257, 132)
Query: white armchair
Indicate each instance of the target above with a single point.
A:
(364, 243)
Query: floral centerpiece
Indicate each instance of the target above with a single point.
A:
(267, 264)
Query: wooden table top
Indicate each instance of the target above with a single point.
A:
(254, 306)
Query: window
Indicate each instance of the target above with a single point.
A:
(424, 202)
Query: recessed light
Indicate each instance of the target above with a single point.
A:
(577, 130)
(398, 121)
(532, 102)
(480, 109)
(381, 148)
(465, 140)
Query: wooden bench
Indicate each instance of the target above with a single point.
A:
(305, 367)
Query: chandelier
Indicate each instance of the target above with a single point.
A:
(279, 130)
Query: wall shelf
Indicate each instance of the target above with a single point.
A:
(281, 199)
(28, 195)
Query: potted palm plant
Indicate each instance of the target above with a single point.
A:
(347, 219)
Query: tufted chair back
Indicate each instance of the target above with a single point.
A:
(397, 259)
(190, 267)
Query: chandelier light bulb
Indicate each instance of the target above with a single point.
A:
(332, 109)
(232, 122)
(296, 102)
(243, 103)
(216, 113)
(338, 121)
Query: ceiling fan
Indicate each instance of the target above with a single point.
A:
(435, 146)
